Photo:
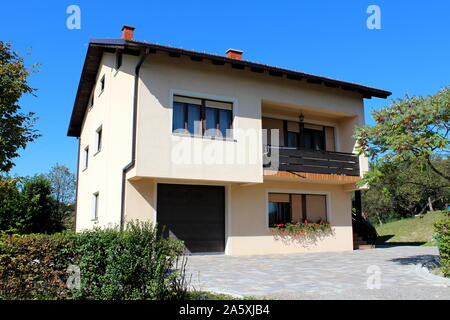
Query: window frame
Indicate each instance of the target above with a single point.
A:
(202, 120)
(102, 84)
(98, 139)
(95, 201)
(85, 157)
(303, 193)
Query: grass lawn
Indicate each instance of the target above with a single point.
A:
(410, 231)
(207, 295)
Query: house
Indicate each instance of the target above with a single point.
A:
(215, 148)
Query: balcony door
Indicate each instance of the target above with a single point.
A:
(300, 135)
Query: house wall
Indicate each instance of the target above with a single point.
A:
(249, 233)
(157, 147)
(246, 213)
(112, 110)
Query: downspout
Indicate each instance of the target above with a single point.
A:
(133, 142)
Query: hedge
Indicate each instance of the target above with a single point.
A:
(114, 265)
(34, 266)
(442, 229)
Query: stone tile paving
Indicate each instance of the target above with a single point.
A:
(334, 275)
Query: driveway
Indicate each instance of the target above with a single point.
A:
(382, 273)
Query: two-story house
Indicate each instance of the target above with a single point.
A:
(215, 148)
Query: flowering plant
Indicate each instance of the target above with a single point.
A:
(295, 228)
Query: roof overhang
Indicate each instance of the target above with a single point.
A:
(98, 46)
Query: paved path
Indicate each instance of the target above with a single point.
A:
(336, 275)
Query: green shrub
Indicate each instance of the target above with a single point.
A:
(27, 206)
(34, 266)
(114, 265)
(442, 229)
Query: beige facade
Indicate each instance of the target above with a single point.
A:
(236, 163)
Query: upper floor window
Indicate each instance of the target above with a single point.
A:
(98, 139)
(299, 135)
(86, 157)
(202, 117)
(102, 84)
(91, 100)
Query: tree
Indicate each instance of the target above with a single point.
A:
(409, 132)
(37, 207)
(63, 184)
(27, 206)
(16, 128)
(10, 202)
(407, 190)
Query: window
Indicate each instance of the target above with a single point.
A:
(314, 139)
(118, 60)
(86, 157)
(91, 101)
(285, 207)
(300, 135)
(98, 139)
(95, 198)
(279, 209)
(102, 84)
(293, 129)
(292, 139)
(202, 117)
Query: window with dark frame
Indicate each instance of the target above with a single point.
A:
(284, 208)
(202, 117)
(302, 135)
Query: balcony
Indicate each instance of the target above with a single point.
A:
(309, 161)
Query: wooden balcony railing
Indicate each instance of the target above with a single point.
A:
(302, 160)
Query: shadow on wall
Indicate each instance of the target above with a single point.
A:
(306, 240)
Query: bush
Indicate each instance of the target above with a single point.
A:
(134, 264)
(34, 266)
(442, 229)
(114, 265)
(27, 206)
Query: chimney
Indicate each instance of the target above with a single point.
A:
(127, 32)
(234, 54)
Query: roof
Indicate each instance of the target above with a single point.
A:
(98, 46)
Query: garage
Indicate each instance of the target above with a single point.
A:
(194, 214)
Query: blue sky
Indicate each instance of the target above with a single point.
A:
(410, 54)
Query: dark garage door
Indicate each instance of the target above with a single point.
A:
(194, 214)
